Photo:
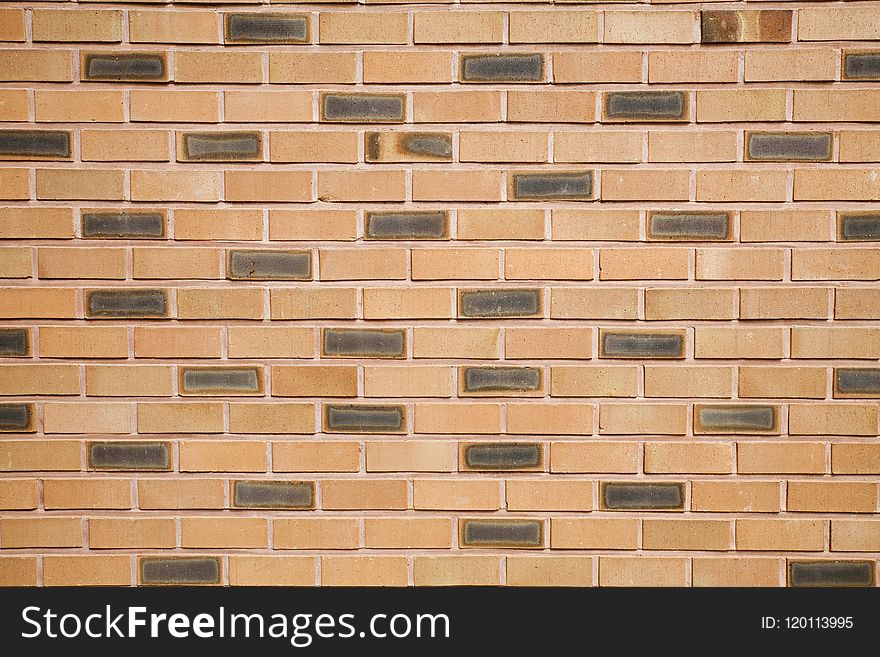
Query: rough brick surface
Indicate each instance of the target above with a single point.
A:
(439, 294)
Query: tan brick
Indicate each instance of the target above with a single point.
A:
(667, 419)
(779, 534)
(835, 342)
(43, 379)
(315, 533)
(33, 455)
(80, 184)
(649, 185)
(18, 571)
(833, 418)
(727, 105)
(687, 381)
(456, 571)
(601, 66)
(832, 496)
(411, 456)
(549, 107)
(757, 185)
(90, 570)
(311, 456)
(772, 458)
(452, 494)
(855, 458)
(540, 418)
(407, 533)
(82, 25)
(686, 534)
(680, 458)
(313, 146)
(736, 572)
(690, 303)
(458, 27)
(454, 264)
(740, 265)
(369, 28)
(413, 302)
(616, 225)
(643, 263)
(75, 417)
(642, 571)
(36, 65)
(186, 493)
(174, 106)
(385, 67)
(533, 343)
(173, 27)
(550, 571)
(274, 417)
(312, 67)
(456, 106)
(594, 533)
(648, 27)
(693, 66)
(729, 342)
(222, 456)
(457, 418)
(598, 146)
(124, 145)
(184, 417)
(122, 533)
(855, 536)
(708, 146)
(545, 495)
(54, 531)
(776, 381)
(208, 67)
(271, 571)
(18, 494)
(456, 343)
(407, 381)
(267, 106)
(224, 532)
(594, 381)
(735, 496)
(813, 64)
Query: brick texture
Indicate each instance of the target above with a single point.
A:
(439, 294)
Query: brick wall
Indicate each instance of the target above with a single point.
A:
(439, 293)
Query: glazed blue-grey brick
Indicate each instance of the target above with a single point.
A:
(222, 146)
(758, 418)
(645, 106)
(831, 573)
(507, 67)
(273, 265)
(126, 303)
(259, 494)
(360, 418)
(503, 456)
(123, 224)
(17, 418)
(502, 533)
(221, 380)
(136, 67)
(623, 344)
(497, 379)
(690, 226)
(363, 108)
(40, 144)
(648, 496)
(789, 146)
(406, 225)
(129, 456)
(857, 381)
(364, 343)
(14, 342)
(571, 186)
(499, 304)
(179, 570)
(271, 28)
(861, 65)
(859, 226)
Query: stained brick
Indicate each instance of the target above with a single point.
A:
(363, 108)
(260, 494)
(739, 418)
(644, 106)
(764, 26)
(502, 456)
(499, 303)
(35, 145)
(501, 67)
(201, 381)
(220, 146)
(689, 226)
(563, 186)
(858, 226)
(362, 418)
(861, 66)
(269, 28)
(269, 265)
(629, 344)
(16, 418)
(134, 67)
(501, 533)
(14, 342)
(110, 304)
(124, 224)
(635, 496)
(129, 456)
(831, 573)
(369, 343)
(183, 571)
(789, 146)
(408, 147)
(406, 225)
(496, 380)
(856, 382)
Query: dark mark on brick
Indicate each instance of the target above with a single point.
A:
(502, 533)
(499, 303)
(695, 226)
(137, 67)
(352, 418)
(179, 570)
(734, 418)
(270, 265)
(858, 227)
(857, 382)
(653, 496)
(221, 381)
(569, 185)
(498, 379)
(502, 456)
(14, 342)
(363, 108)
(789, 146)
(123, 225)
(408, 147)
(129, 456)
(645, 106)
(126, 303)
(266, 28)
(614, 344)
(403, 225)
(273, 494)
(762, 26)
(17, 418)
(861, 65)
(364, 343)
(502, 67)
(831, 573)
(34, 144)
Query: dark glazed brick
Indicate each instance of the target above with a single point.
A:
(364, 343)
(763, 26)
(17, 418)
(34, 144)
(619, 344)
(499, 303)
(129, 456)
(353, 418)
(788, 146)
(858, 227)
(266, 28)
(645, 106)
(502, 533)
(564, 186)
(179, 570)
(404, 225)
(735, 418)
(221, 381)
(363, 108)
(270, 265)
(858, 382)
(502, 68)
(123, 225)
(273, 494)
(498, 379)
(136, 67)
(691, 226)
(126, 303)
(221, 146)
(655, 496)
(14, 342)
(831, 573)
(502, 456)
(861, 65)
(408, 146)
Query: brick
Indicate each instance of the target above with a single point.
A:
(36, 66)
(312, 68)
(407, 67)
(466, 264)
(594, 381)
(363, 108)
(554, 27)
(501, 457)
(794, 458)
(855, 535)
(37, 303)
(643, 263)
(456, 106)
(15, 342)
(758, 342)
(503, 67)
(83, 106)
(727, 105)
(776, 226)
(18, 494)
(642, 571)
(313, 147)
(17, 262)
(736, 572)
(187, 417)
(619, 225)
(14, 105)
(366, 494)
(547, 343)
(766, 26)
(128, 456)
(686, 534)
(172, 27)
(39, 380)
(797, 382)
(860, 66)
(375, 343)
(541, 495)
(594, 533)
(314, 381)
(666, 419)
(456, 571)
(87, 571)
(411, 456)
(789, 146)
(215, 67)
(732, 185)
(823, 24)
(179, 570)
(644, 106)
(832, 496)
(524, 534)
(502, 147)
(73, 417)
(777, 534)
(709, 146)
(363, 418)
(278, 186)
(740, 265)
(78, 494)
(457, 418)
(134, 67)
(596, 146)
(539, 418)
(597, 66)
(857, 227)
(267, 106)
(174, 106)
(18, 571)
(464, 495)
(271, 571)
(32, 455)
(411, 533)
(466, 343)
(84, 342)
(641, 344)
(370, 28)
(679, 458)
(46, 532)
(658, 185)
(35, 145)
(222, 456)
(849, 458)
(835, 419)
(307, 225)
(275, 28)
(674, 303)
(313, 456)
(310, 303)
(416, 303)
(687, 381)
(467, 185)
(458, 27)
(549, 571)
(124, 145)
(856, 382)
(272, 418)
(377, 186)
(364, 571)
(83, 25)
(707, 66)
(834, 342)
(736, 418)
(13, 25)
(831, 573)
(739, 496)
(273, 494)
(81, 263)
(81, 184)
(645, 27)
(14, 184)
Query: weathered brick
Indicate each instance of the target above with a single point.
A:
(764, 26)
